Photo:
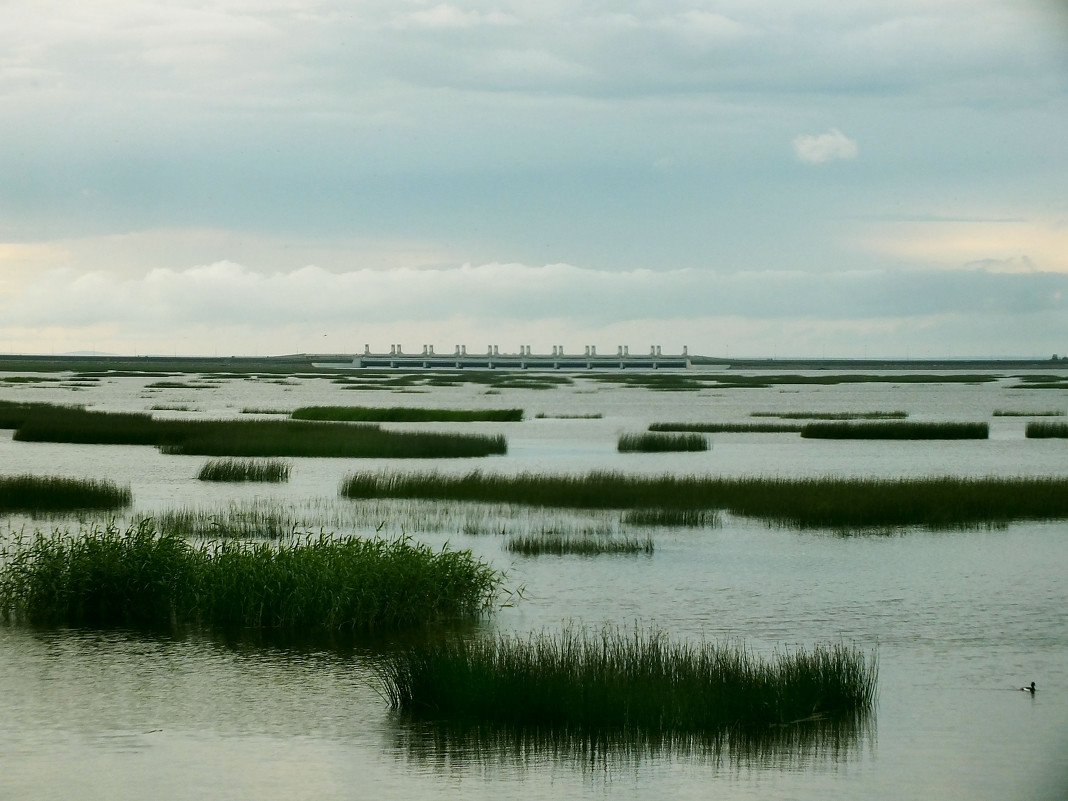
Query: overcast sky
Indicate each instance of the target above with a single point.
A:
(746, 177)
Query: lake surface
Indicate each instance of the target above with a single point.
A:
(959, 620)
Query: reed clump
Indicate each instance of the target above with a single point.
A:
(729, 428)
(673, 518)
(936, 501)
(249, 438)
(555, 543)
(404, 414)
(46, 494)
(895, 430)
(1024, 413)
(266, 470)
(889, 415)
(14, 413)
(661, 442)
(1041, 430)
(103, 576)
(642, 682)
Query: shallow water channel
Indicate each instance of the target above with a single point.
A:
(959, 620)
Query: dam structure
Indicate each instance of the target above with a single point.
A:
(523, 359)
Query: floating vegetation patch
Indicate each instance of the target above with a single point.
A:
(47, 494)
(672, 518)
(661, 443)
(176, 407)
(896, 430)
(833, 502)
(1038, 430)
(28, 379)
(256, 410)
(693, 381)
(405, 414)
(557, 543)
(658, 382)
(1042, 382)
(102, 576)
(729, 428)
(1023, 413)
(176, 385)
(266, 470)
(592, 416)
(893, 415)
(249, 438)
(642, 682)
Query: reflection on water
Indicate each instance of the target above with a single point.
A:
(814, 744)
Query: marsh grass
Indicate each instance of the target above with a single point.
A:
(1037, 430)
(895, 430)
(404, 414)
(890, 415)
(1022, 413)
(592, 416)
(249, 438)
(269, 470)
(176, 385)
(1041, 381)
(835, 502)
(14, 413)
(557, 543)
(683, 381)
(661, 443)
(729, 428)
(48, 494)
(642, 682)
(672, 518)
(273, 519)
(103, 577)
(255, 520)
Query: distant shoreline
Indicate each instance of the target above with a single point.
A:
(332, 362)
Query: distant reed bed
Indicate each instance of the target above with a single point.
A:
(555, 543)
(404, 414)
(895, 430)
(103, 576)
(249, 438)
(729, 428)
(1038, 430)
(1025, 413)
(37, 494)
(661, 443)
(890, 415)
(613, 681)
(939, 501)
(267, 470)
(591, 416)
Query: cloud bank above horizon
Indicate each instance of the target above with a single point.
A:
(254, 176)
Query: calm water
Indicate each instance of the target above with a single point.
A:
(959, 620)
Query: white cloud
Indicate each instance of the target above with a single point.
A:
(820, 148)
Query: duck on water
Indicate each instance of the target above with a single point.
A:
(1030, 689)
